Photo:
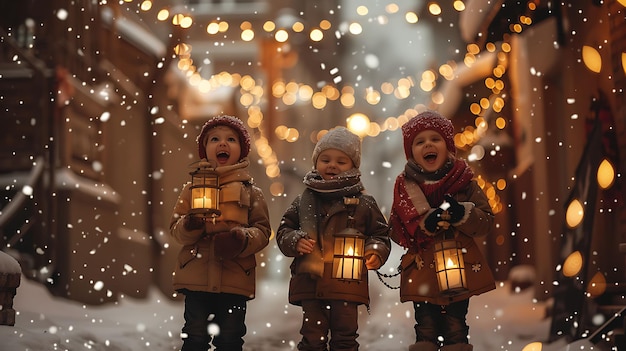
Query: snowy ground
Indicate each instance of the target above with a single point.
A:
(499, 320)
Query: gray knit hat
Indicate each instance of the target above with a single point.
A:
(342, 139)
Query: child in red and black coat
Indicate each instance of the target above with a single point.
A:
(436, 195)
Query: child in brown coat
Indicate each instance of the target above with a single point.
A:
(436, 195)
(332, 201)
(216, 264)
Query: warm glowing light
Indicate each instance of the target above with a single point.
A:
(533, 346)
(411, 17)
(298, 27)
(319, 100)
(247, 35)
(347, 100)
(624, 59)
(500, 123)
(391, 8)
(372, 96)
(186, 22)
(177, 18)
(325, 24)
(355, 28)
(459, 5)
(277, 189)
(182, 49)
(501, 184)
(163, 15)
(606, 174)
(146, 5)
(573, 264)
(269, 26)
(358, 123)
(362, 10)
(281, 36)
(316, 35)
(622, 2)
(574, 214)
(592, 59)
(212, 28)
(434, 9)
(597, 285)
(223, 26)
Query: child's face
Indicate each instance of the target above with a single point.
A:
(331, 162)
(429, 150)
(222, 146)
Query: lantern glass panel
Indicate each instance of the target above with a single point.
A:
(450, 267)
(204, 198)
(204, 191)
(348, 257)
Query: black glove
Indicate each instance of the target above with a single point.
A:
(232, 243)
(192, 223)
(456, 210)
(431, 223)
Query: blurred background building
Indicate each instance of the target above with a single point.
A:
(102, 101)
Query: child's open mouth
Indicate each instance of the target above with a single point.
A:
(430, 157)
(222, 156)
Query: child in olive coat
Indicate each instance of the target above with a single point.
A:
(333, 200)
(216, 264)
(436, 195)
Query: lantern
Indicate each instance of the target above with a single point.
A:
(205, 190)
(449, 265)
(348, 259)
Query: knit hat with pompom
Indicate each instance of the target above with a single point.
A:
(427, 120)
(342, 139)
(228, 121)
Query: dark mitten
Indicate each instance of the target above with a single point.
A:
(232, 243)
(456, 210)
(431, 223)
(192, 223)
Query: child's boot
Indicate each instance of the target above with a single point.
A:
(423, 346)
(458, 347)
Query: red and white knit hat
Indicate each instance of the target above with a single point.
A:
(427, 120)
(228, 121)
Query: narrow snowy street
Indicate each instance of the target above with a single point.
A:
(499, 320)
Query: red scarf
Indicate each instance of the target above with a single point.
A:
(405, 218)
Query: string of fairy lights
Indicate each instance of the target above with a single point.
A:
(252, 91)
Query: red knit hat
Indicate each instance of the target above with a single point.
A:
(427, 120)
(228, 121)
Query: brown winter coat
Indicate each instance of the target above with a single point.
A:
(324, 217)
(418, 279)
(242, 204)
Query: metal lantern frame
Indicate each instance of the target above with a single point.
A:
(205, 190)
(348, 255)
(450, 265)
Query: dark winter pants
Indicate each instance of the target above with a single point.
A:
(432, 321)
(321, 316)
(225, 311)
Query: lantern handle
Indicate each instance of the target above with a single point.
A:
(203, 164)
